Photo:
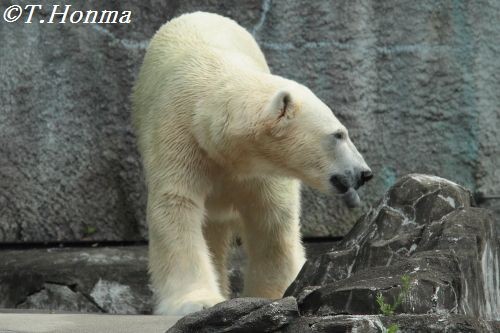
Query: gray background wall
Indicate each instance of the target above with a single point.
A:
(416, 82)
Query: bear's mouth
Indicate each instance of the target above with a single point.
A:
(351, 198)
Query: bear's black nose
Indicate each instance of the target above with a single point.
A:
(366, 175)
(344, 181)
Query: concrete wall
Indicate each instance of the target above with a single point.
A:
(416, 82)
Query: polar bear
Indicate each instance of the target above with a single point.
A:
(225, 144)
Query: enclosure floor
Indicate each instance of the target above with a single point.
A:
(80, 323)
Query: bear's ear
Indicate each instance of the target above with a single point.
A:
(280, 106)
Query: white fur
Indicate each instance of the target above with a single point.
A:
(224, 144)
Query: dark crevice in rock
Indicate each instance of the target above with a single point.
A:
(72, 286)
(92, 301)
(59, 296)
(18, 304)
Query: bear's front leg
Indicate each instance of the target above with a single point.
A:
(271, 236)
(182, 274)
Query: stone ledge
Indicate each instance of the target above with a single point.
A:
(104, 279)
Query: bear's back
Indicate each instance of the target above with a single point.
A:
(186, 61)
(200, 33)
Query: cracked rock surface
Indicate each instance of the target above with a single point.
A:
(240, 315)
(426, 228)
(410, 79)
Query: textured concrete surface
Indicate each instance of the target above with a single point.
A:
(82, 323)
(416, 82)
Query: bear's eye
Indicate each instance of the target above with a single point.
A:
(339, 135)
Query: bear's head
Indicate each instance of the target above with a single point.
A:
(302, 137)
(280, 129)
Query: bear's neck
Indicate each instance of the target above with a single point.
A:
(227, 124)
(253, 89)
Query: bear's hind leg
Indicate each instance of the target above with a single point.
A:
(219, 237)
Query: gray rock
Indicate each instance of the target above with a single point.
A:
(109, 280)
(233, 316)
(56, 297)
(240, 315)
(428, 323)
(416, 82)
(329, 324)
(425, 228)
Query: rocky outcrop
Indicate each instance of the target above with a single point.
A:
(405, 323)
(424, 251)
(424, 228)
(240, 315)
(410, 79)
(286, 320)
